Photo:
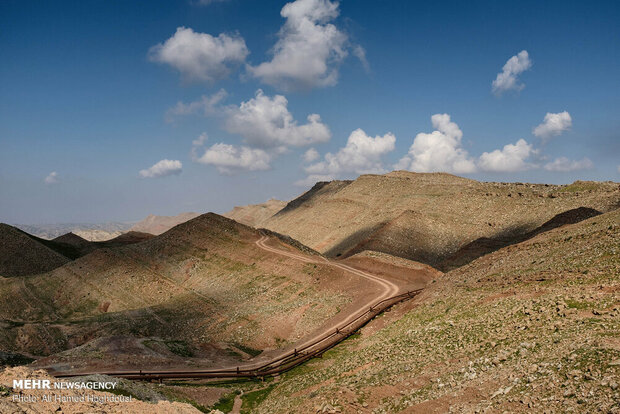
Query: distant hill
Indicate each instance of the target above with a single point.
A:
(88, 231)
(428, 217)
(21, 254)
(156, 225)
(255, 214)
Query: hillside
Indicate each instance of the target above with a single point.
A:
(157, 225)
(531, 327)
(21, 254)
(200, 293)
(255, 214)
(429, 217)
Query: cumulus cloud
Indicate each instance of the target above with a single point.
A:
(200, 56)
(52, 178)
(361, 155)
(507, 79)
(162, 169)
(311, 155)
(266, 123)
(439, 151)
(309, 49)
(553, 125)
(512, 158)
(563, 164)
(206, 105)
(229, 159)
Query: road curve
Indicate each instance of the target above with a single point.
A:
(389, 288)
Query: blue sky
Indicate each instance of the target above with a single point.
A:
(95, 94)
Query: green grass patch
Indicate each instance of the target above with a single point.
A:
(251, 400)
(225, 403)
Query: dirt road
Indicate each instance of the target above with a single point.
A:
(322, 339)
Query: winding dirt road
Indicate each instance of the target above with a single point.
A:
(389, 288)
(322, 340)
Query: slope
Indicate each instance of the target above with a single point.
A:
(428, 217)
(201, 292)
(531, 327)
(21, 254)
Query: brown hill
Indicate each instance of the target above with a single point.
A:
(531, 327)
(72, 239)
(157, 225)
(429, 217)
(198, 293)
(255, 214)
(21, 254)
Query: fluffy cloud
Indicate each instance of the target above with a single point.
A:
(438, 151)
(309, 49)
(507, 78)
(266, 122)
(200, 56)
(162, 169)
(513, 157)
(362, 154)
(206, 105)
(563, 164)
(553, 125)
(52, 178)
(229, 159)
(311, 155)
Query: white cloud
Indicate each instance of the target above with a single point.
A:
(563, 164)
(266, 122)
(229, 159)
(553, 125)
(52, 178)
(200, 56)
(360, 53)
(507, 79)
(618, 169)
(311, 155)
(162, 169)
(511, 158)
(206, 105)
(309, 49)
(439, 151)
(361, 155)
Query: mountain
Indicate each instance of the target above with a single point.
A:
(429, 217)
(88, 231)
(201, 293)
(531, 327)
(21, 254)
(159, 224)
(256, 214)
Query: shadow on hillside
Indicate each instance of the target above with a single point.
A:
(348, 246)
(486, 245)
